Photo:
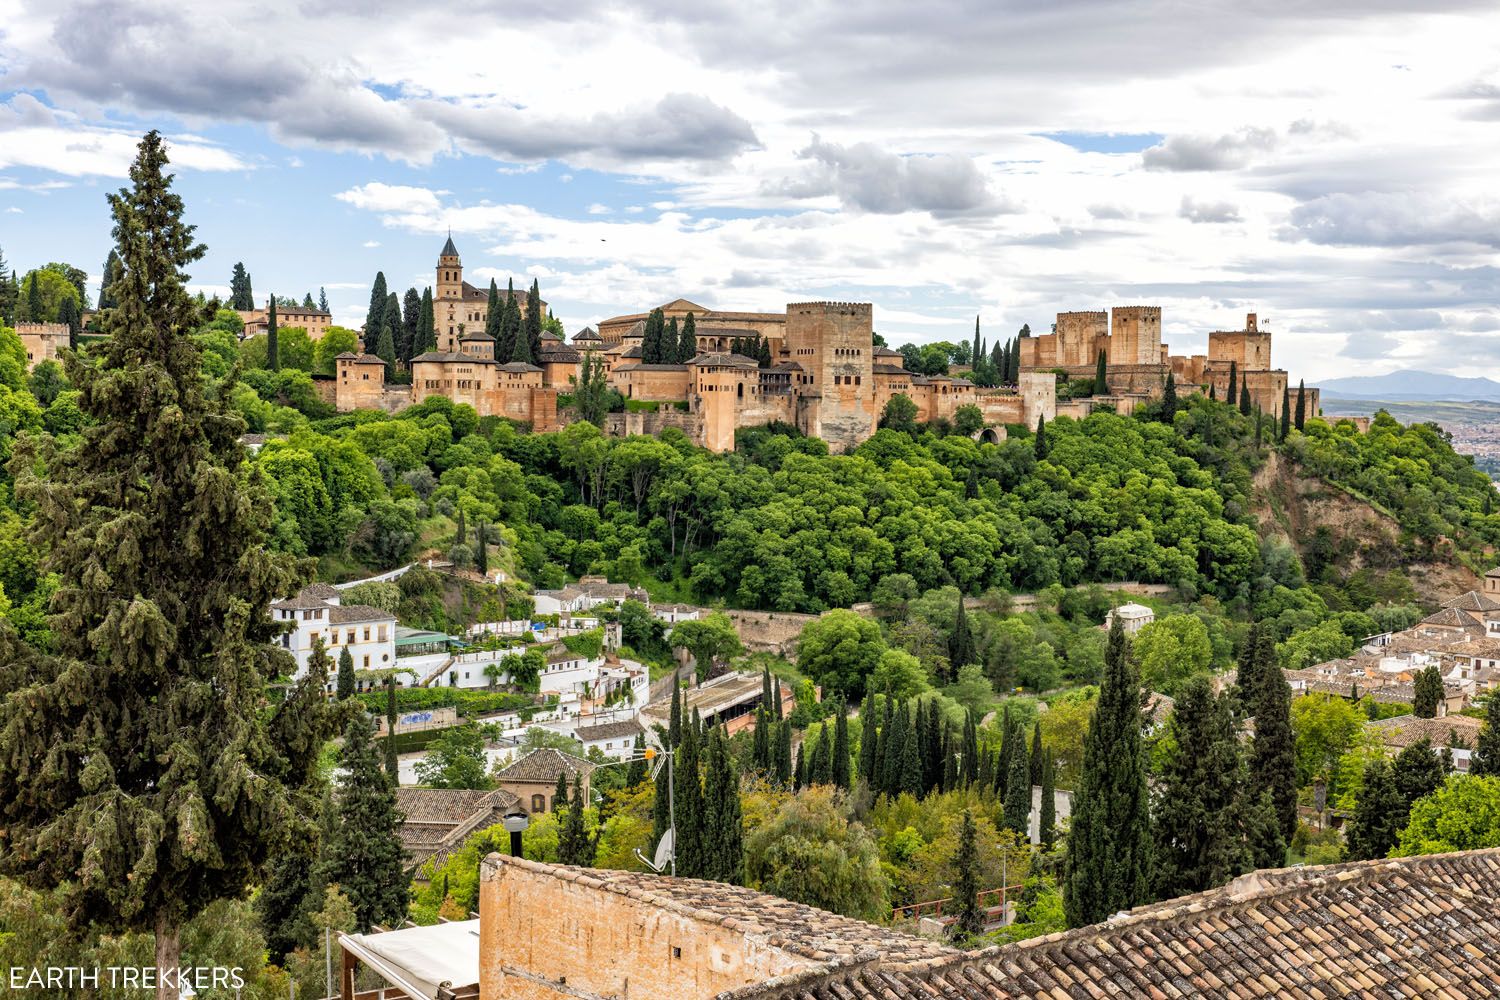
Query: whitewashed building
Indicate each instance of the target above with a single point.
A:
(1133, 617)
(368, 633)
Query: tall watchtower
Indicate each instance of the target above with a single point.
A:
(834, 344)
(447, 297)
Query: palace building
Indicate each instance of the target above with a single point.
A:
(822, 371)
(826, 376)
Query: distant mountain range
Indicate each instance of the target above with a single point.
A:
(1411, 385)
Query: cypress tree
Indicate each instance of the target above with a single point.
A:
(533, 326)
(67, 314)
(510, 326)
(35, 310)
(427, 328)
(820, 768)
(1266, 845)
(1040, 442)
(977, 354)
(970, 923)
(1169, 399)
(346, 674)
(1244, 398)
(784, 753)
(674, 716)
(1427, 691)
(1379, 813)
(951, 778)
(1101, 383)
(375, 315)
(107, 277)
(460, 529)
(241, 295)
(411, 325)
(1248, 672)
(394, 320)
(281, 905)
(911, 776)
(1036, 752)
(1199, 843)
(969, 761)
(1048, 824)
(687, 347)
(1258, 426)
(895, 751)
(867, 740)
(651, 351)
(1018, 793)
(122, 786)
(724, 850)
(481, 550)
(986, 775)
(1109, 839)
(323, 299)
(760, 753)
(671, 342)
(8, 293)
(1417, 772)
(961, 651)
(392, 761)
(1232, 396)
(689, 792)
(1273, 753)
(1007, 749)
(1301, 403)
(307, 301)
(560, 793)
(635, 773)
(800, 778)
(1486, 757)
(494, 317)
(932, 761)
(273, 350)
(365, 857)
(1286, 413)
(574, 845)
(841, 752)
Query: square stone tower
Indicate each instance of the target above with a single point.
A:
(1135, 335)
(834, 342)
(1080, 336)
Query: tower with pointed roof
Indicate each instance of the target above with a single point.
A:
(448, 297)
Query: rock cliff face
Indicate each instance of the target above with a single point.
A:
(1328, 523)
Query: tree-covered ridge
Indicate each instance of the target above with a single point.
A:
(1413, 473)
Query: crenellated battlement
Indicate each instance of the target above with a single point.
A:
(845, 308)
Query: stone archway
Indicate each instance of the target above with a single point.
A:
(990, 435)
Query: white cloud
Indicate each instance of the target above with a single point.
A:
(370, 244)
(597, 209)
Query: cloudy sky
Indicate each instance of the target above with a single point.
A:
(1328, 164)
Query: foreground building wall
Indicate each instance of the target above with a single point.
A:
(547, 933)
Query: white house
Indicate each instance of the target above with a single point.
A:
(674, 613)
(613, 739)
(585, 595)
(1133, 617)
(369, 634)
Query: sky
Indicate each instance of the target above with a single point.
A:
(1326, 164)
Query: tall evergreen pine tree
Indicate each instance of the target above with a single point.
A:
(365, 858)
(346, 674)
(533, 326)
(970, 923)
(1273, 753)
(123, 787)
(1101, 383)
(273, 347)
(1286, 413)
(1047, 833)
(1199, 841)
(961, 651)
(1108, 865)
(724, 848)
(1017, 811)
(841, 751)
(375, 315)
(1301, 403)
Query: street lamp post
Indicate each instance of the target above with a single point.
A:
(515, 824)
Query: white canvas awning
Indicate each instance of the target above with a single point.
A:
(417, 960)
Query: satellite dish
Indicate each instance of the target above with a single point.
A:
(664, 849)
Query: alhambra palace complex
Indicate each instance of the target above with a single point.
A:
(826, 375)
